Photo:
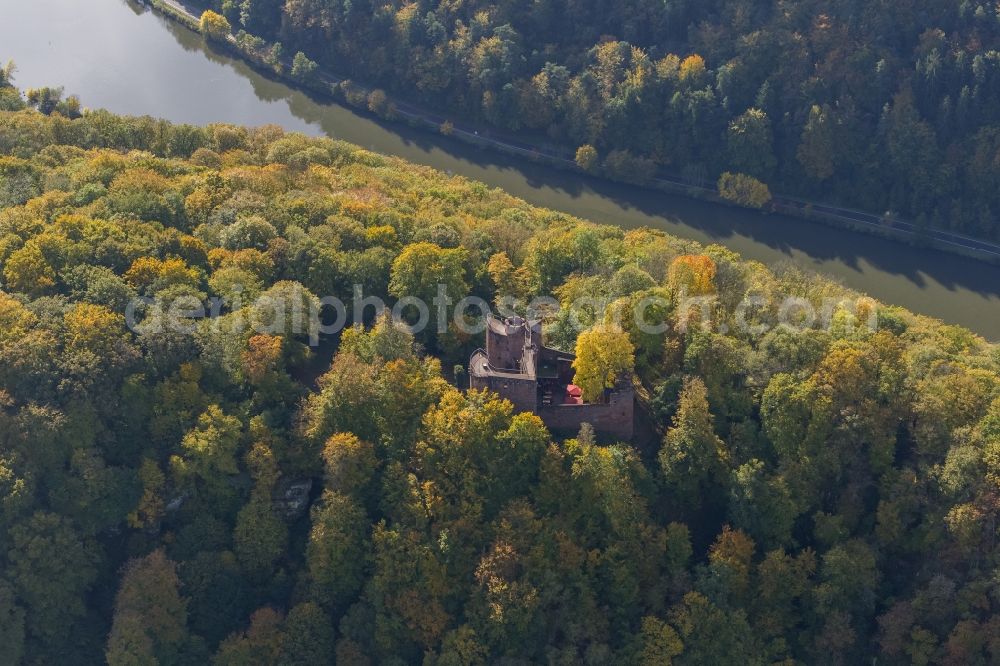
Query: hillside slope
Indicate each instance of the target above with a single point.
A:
(887, 106)
(824, 491)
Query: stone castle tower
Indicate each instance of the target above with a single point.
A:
(517, 366)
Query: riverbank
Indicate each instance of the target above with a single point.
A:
(140, 64)
(332, 88)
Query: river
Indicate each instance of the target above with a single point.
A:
(117, 56)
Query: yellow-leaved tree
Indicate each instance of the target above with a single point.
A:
(27, 271)
(603, 353)
(693, 274)
(744, 190)
(586, 157)
(692, 68)
(215, 26)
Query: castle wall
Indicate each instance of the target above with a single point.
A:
(615, 418)
(505, 349)
(522, 392)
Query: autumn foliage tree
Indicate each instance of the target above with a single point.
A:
(215, 26)
(150, 621)
(693, 459)
(744, 190)
(586, 157)
(693, 274)
(603, 354)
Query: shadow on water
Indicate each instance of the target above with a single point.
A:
(196, 83)
(783, 235)
(859, 260)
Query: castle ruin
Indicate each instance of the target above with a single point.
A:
(519, 367)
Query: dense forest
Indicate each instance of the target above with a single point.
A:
(887, 106)
(823, 494)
